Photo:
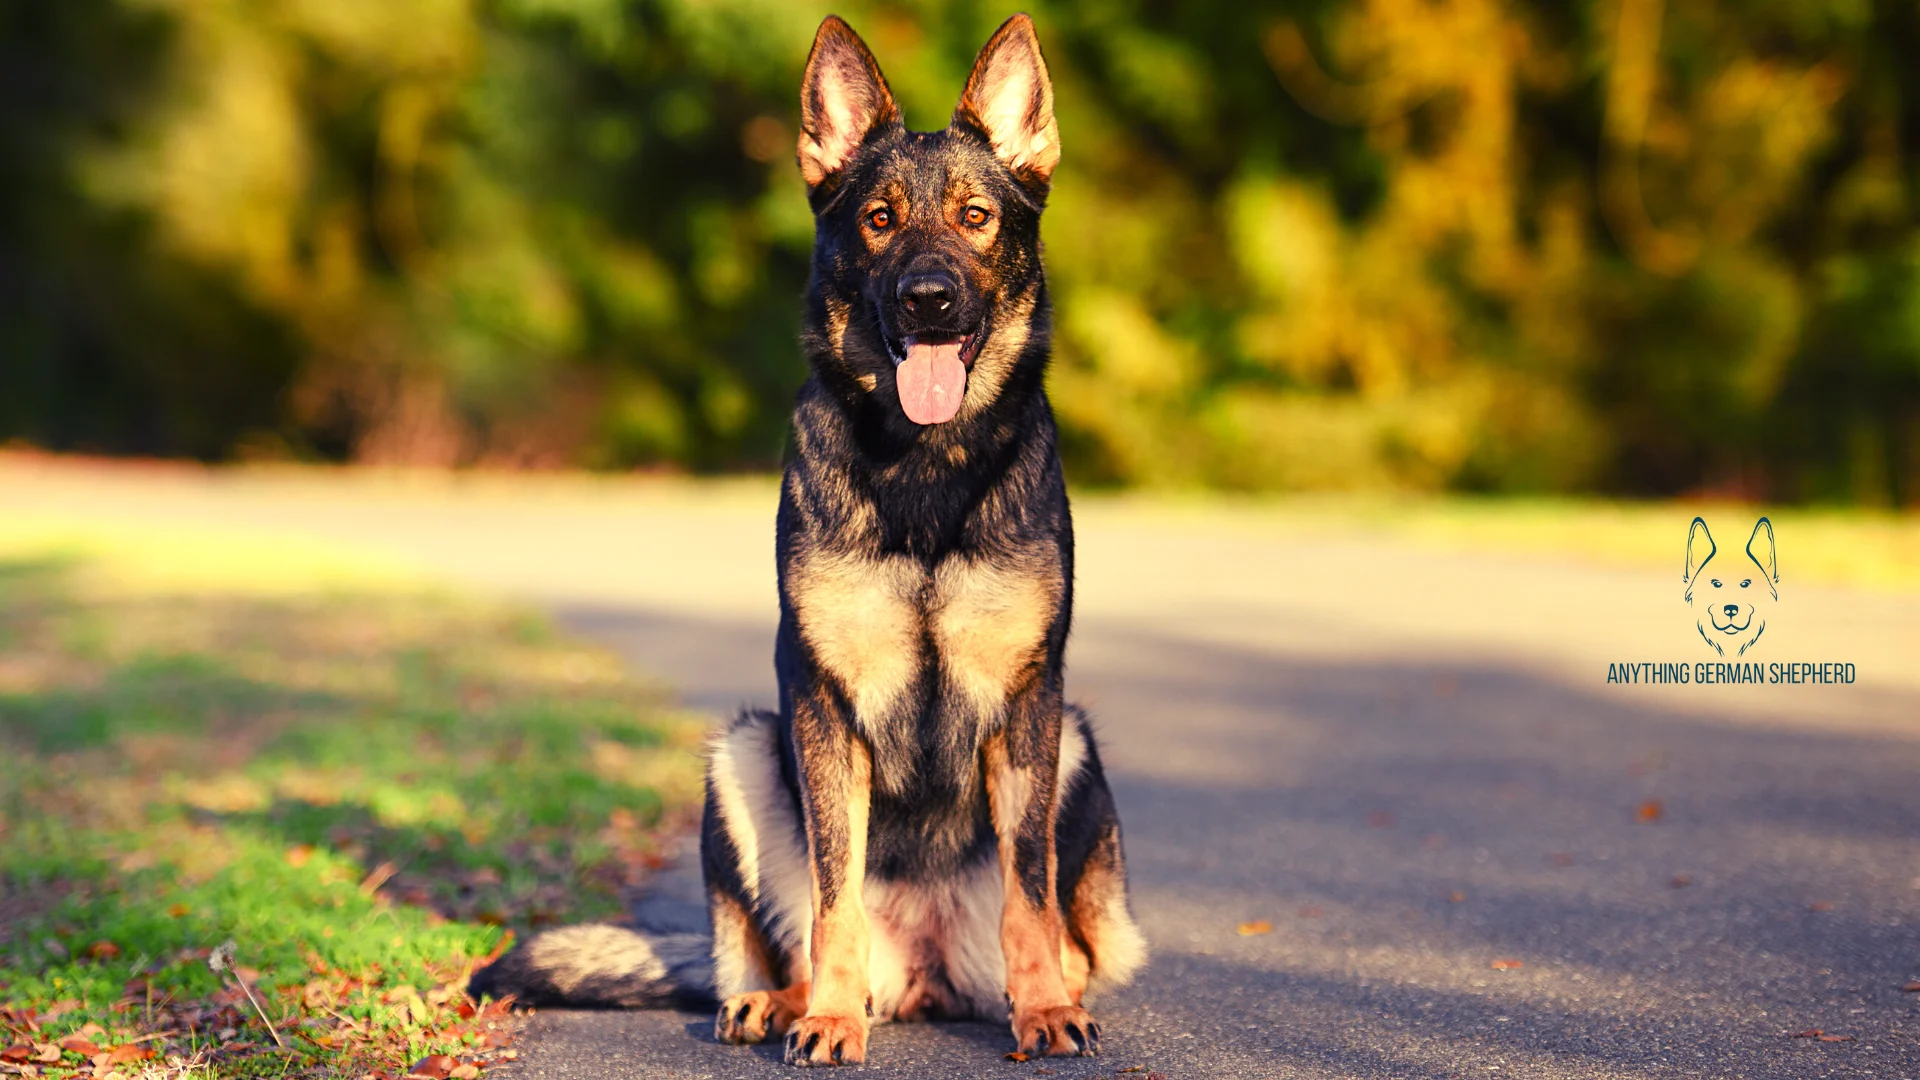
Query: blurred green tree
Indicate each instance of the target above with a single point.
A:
(1616, 245)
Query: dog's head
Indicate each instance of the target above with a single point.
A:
(927, 298)
(1731, 599)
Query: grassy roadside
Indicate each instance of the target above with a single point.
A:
(362, 785)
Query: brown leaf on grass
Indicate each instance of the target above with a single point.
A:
(178, 911)
(46, 1053)
(299, 854)
(1257, 926)
(1833, 1038)
(16, 1053)
(464, 1071)
(79, 1044)
(1911, 988)
(103, 950)
(1506, 964)
(377, 877)
(1649, 812)
(433, 1067)
(120, 1055)
(1018, 1056)
(1680, 881)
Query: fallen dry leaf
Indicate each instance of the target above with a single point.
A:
(1911, 988)
(103, 950)
(46, 1054)
(1504, 964)
(18, 1052)
(1456, 897)
(1018, 1056)
(120, 1055)
(178, 910)
(1820, 905)
(1649, 812)
(1680, 881)
(1810, 1033)
(1833, 1038)
(79, 1044)
(1257, 926)
(298, 854)
(465, 1071)
(434, 1067)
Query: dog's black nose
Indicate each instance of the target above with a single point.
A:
(928, 293)
(1732, 610)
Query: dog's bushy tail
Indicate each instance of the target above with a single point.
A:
(602, 966)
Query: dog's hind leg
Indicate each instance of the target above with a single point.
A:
(1102, 947)
(753, 857)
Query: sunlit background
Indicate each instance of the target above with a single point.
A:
(1623, 247)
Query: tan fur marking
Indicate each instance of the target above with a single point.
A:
(858, 616)
(1012, 325)
(990, 626)
(837, 314)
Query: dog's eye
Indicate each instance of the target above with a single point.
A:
(977, 216)
(1716, 583)
(881, 219)
(1746, 583)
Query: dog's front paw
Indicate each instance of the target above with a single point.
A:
(1057, 1031)
(751, 1017)
(827, 1040)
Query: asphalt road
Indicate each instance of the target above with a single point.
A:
(1476, 857)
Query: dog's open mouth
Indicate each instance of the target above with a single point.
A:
(931, 373)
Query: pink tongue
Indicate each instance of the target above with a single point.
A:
(932, 380)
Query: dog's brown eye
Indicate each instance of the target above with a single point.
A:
(881, 219)
(977, 216)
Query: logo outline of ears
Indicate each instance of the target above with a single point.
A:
(1769, 566)
(1694, 532)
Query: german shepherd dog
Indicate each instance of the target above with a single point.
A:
(923, 830)
(1731, 601)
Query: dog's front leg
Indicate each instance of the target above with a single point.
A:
(836, 774)
(1021, 769)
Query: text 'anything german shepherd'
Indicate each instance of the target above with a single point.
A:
(923, 830)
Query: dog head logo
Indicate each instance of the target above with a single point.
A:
(1731, 595)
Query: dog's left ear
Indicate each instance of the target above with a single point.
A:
(1010, 100)
(1760, 550)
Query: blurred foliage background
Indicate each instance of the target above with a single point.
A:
(1609, 245)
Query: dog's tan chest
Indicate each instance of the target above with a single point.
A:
(868, 622)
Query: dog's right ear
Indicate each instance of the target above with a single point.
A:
(1700, 548)
(843, 99)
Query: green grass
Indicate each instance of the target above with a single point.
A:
(364, 788)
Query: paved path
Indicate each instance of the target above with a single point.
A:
(1406, 760)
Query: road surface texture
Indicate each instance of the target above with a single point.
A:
(1385, 815)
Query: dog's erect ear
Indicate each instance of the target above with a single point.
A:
(1760, 550)
(1010, 99)
(843, 99)
(1700, 548)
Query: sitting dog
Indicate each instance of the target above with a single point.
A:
(923, 829)
(1730, 601)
